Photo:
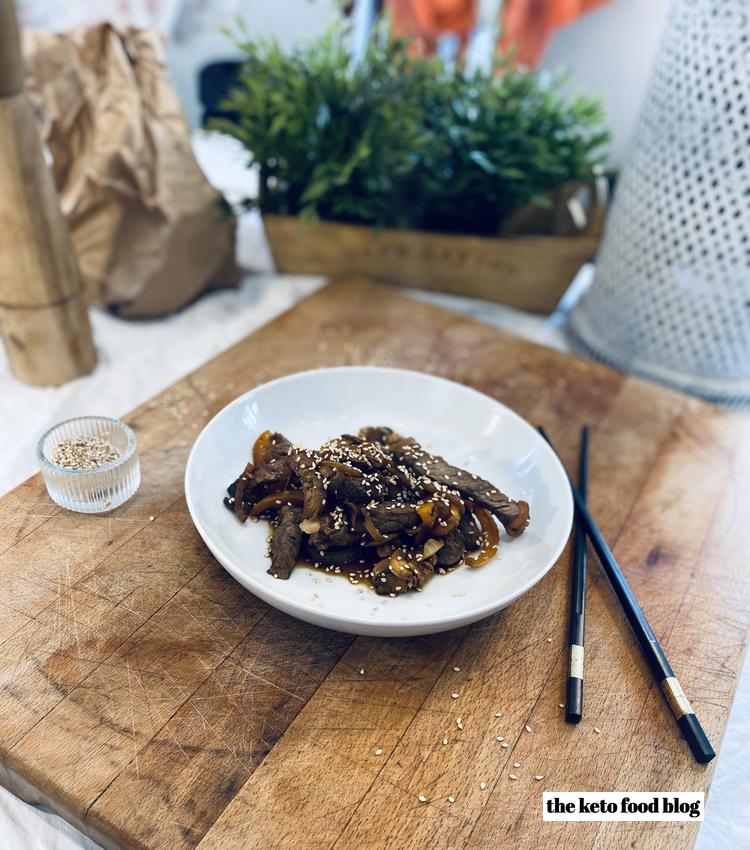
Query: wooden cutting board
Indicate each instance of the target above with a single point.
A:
(154, 703)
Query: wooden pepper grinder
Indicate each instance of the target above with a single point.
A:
(43, 316)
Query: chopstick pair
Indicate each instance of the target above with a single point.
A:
(651, 649)
(576, 627)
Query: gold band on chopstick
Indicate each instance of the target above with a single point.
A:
(676, 698)
(576, 660)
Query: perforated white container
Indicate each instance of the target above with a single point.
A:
(671, 295)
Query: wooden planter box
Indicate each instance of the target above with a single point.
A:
(527, 272)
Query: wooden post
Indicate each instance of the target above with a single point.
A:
(43, 317)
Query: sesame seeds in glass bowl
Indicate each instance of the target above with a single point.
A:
(90, 464)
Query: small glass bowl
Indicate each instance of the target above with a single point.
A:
(91, 491)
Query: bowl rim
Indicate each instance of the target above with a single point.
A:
(46, 464)
(349, 623)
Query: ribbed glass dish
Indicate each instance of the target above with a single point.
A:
(91, 491)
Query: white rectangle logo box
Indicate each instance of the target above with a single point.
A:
(622, 805)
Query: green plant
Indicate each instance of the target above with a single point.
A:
(400, 141)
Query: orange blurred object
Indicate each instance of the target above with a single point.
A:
(529, 24)
(426, 20)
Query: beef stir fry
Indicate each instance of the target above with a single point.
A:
(376, 506)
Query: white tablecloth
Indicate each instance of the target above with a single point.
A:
(137, 359)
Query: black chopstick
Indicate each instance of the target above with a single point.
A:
(574, 688)
(683, 712)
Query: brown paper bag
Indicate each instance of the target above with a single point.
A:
(150, 232)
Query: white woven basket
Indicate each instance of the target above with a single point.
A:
(671, 296)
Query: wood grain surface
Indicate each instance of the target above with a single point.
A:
(155, 703)
(527, 272)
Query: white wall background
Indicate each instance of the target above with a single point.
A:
(287, 20)
(609, 53)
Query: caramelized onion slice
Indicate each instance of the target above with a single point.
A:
(431, 547)
(239, 493)
(490, 539)
(371, 528)
(431, 520)
(262, 449)
(274, 501)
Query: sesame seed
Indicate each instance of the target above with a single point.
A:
(455, 696)
(83, 452)
(528, 728)
(482, 785)
(516, 764)
(151, 519)
(504, 745)
(459, 723)
(451, 799)
(538, 777)
(561, 704)
(499, 738)
(549, 640)
(498, 714)
(456, 669)
(597, 730)
(362, 672)
(379, 751)
(422, 798)
(512, 776)
(445, 741)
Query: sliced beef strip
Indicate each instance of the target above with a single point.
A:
(392, 516)
(280, 446)
(286, 542)
(330, 537)
(366, 454)
(277, 469)
(453, 549)
(471, 535)
(359, 453)
(348, 488)
(512, 514)
(377, 434)
(304, 464)
(385, 581)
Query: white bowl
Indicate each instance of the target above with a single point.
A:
(469, 429)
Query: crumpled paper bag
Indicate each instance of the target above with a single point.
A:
(150, 232)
